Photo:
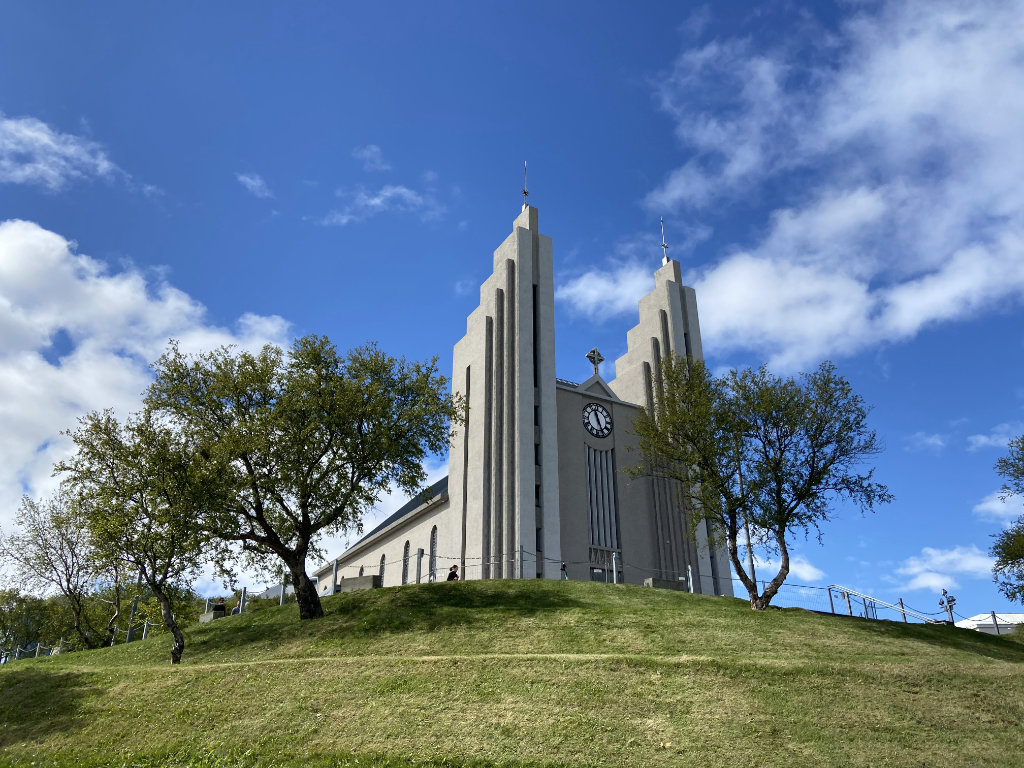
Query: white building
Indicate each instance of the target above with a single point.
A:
(536, 476)
(993, 623)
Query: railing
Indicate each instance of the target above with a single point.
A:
(871, 605)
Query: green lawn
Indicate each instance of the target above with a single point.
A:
(526, 673)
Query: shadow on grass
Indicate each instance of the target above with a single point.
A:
(368, 613)
(945, 636)
(38, 701)
(432, 606)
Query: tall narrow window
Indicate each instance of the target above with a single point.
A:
(382, 570)
(432, 574)
(405, 564)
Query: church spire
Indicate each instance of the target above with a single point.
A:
(664, 245)
(526, 192)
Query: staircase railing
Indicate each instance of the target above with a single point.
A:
(901, 609)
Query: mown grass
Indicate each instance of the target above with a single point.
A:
(526, 673)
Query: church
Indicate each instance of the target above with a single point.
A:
(537, 483)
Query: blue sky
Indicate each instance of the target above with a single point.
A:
(839, 182)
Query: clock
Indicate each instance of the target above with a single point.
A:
(597, 420)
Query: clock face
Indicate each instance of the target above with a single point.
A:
(597, 420)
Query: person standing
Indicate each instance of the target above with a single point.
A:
(453, 573)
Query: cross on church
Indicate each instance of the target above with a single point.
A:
(595, 358)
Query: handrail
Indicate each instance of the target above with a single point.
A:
(902, 609)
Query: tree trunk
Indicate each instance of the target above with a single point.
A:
(112, 623)
(165, 612)
(86, 639)
(78, 612)
(305, 592)
(749, 583)
(772, 587)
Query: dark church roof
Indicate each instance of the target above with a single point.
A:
(441, 486)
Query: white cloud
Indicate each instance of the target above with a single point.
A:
(76, 337)
(599, 294)
(899, 146)
(998, 437)
(254, 184)
(799, 568)
(936, 569)
(362, 204)
(31, 152)
(371, 157)
(603, 292)
(992, 507)
(924, 441)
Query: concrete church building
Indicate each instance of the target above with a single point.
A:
(536, 476)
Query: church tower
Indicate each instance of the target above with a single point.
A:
(539, 477)
(503, 471)
(669, 326)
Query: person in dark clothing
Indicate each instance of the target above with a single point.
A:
(453, 573)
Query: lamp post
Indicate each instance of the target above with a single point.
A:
(947, 601)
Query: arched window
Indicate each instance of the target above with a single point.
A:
(405, 564)
(382, 570)
(360, 570)
(433, 555)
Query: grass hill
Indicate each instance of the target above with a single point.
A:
(526, 673)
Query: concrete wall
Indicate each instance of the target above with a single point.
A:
(669, 326)
(414, 528)
(632, 497)
(504, 466)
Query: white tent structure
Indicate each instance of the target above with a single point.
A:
(993, 623)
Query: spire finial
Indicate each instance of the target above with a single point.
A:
(526, 192)
(664, 245)
(595, 358)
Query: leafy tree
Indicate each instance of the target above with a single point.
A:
(1008, 548)
(26, 619)
(145, 489)
(753, 450)
(311, 439)
(52, 551)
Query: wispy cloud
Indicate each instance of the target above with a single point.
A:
(925, 441)
(254, 184)
(599, 294)
(998, 437)
(799, 568)
(362, 204)
(371, 157)
(33, 153)
(936, 569)
(992, 507)
(612, 289)
(906, 208)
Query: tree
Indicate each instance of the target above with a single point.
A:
(756, 451)
(310, 440)
(53, 551)
(1008, 548)
(145, 490)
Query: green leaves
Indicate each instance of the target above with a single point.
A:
(753, 449)
(306, 443)
(1008, 548)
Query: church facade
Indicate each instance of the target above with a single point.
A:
(537, 485)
